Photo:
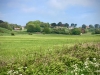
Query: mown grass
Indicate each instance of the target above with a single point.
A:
(23, 48)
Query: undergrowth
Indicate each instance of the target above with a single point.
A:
(81, 59)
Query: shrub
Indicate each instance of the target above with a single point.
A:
(30, 28)
(12, 34)
(30, 33)
(59, 31)
(75, 31)
(46, 30)
(33, 28)
(97, 31)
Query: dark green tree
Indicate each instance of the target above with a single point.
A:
(1, 21)
(59, 24)
(53, 24)
(5, 25)
(66, 25)
(97, 25)
(73, 25)
(91, 26)
(84, 26)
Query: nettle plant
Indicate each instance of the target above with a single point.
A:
(89, 67)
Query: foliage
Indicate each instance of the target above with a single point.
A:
(34, 26)
(73, 25)
(46, 30)
(88, 67)
(5, 25)
(8, 26)
(59, 24)
(84, 26)
(91, 29)
(66, 25)
(53, 24)
(97, 31)
(30, 33)
(12, 34)
(47, 54)
(76, 31)
(60, 62)
(59, 31)
(4, 30)
(91, 26)
(30, 28)
(37, 28)
(97, 26)
(44, 25)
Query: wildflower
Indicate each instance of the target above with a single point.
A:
(91, 62)
(86, 63)
(71, 71)
(76, 74)
(25, 67)
(9, 72)
(87, 58)
(82, 74)
(96, 64)
(86, 66)
(16, 72)
(97, 71)
(94, 59)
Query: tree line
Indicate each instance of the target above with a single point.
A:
(8, 26)
(56, 28)
(60, 28)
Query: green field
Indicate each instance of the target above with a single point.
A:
(22, 46)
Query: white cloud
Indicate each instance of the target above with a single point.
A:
(63, 4)
(22, 6)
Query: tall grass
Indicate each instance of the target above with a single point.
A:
(45, 54)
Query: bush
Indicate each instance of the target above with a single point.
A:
(30, 33)
(12, 34)
(32, 28)
(97, 31)
(59, 31)
(75, 31)
(46, 30)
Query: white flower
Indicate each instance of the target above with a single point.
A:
(86, 66)
(71, 71)
(86, 63)
(76, 74)
(20, 74)
(91, 62)
(9, 72)
(94, 59)
(82, 74)
(96, 64)
(25, 67)
(87, 58)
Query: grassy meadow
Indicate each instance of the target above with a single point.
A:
(39, 54)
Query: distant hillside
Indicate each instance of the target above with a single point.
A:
(4, 30)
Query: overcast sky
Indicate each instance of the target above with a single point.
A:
(65, 11)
